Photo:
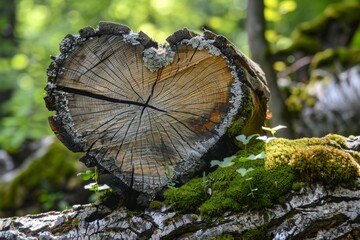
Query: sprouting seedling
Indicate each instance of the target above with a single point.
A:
(252, 190)
(245, 140)
(244, 171)
(274, 129)
(169, 176)
(99, 190)
(261, 155)
(227, 162)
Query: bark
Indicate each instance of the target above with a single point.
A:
(314, 212)
(260, 53)
(139, 109)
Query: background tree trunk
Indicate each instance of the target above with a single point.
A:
(314, 212)
(260, 53)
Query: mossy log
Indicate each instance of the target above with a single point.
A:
(138, 108)
(314, 212)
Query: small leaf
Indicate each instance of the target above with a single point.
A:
(91, 186)
(103, 187)
(245, 140)
(265, 138)
(274, 129)
(226, 163)
(259, 156)
(214, 163)
(243, 159)
(86, 175)
(279, 127)
(244, 171)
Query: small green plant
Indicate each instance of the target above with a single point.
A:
(252, 190)
(227, 162)
(274, 129)
(244, 171)
(169, 176)
(245, 140)
(99, 190)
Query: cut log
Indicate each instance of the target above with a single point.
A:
(138, 109)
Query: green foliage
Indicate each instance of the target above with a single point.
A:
(100, 190)
(259, 233)
(227, 162)
(41, 25)
(188, 197)
(38, 184)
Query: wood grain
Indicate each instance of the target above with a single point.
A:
(134, 121)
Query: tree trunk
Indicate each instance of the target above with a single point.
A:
(313, 212)
(139, 109)
(260, 53)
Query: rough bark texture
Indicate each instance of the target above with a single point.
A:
(138, 108)
(314, 212)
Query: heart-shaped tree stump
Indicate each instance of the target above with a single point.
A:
(138, 109)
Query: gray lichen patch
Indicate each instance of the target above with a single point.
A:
(64, 117)
(132, 38)
(200, 43)
(156, 58)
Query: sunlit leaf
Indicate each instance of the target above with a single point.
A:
(86, 175)
(103, 187)
(265, 138)
(227, 162)
(244, 171)
(245, 140)
(91, 186)
(255, 157)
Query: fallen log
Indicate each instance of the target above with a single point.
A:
(138, 108)
(314, 212)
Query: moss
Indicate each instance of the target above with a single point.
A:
(325, 164)
(280, 151)
(315, 159)
(223, 237)
(259, 233)
(298, 185)
(287, 163)
(155, 205)
(75, 222)
(188, 197)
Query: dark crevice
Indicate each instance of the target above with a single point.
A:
(105, 98)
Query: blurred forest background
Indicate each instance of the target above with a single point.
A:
(310, 53)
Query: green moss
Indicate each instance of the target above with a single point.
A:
(155, 205)
(315, 159)
(259, 233)
(298, 185)
(280, 151)
(75, 222)
(325, 164)
(223, 237)
(287, 163)
(188, 197)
